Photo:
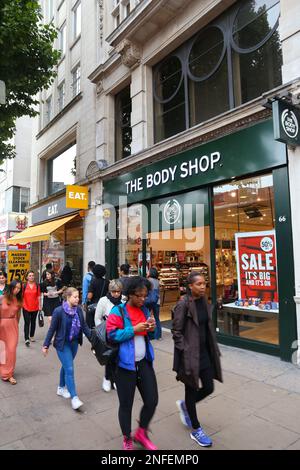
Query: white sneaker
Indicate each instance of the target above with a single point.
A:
(106, 385)
(76, 403)
(63, 392)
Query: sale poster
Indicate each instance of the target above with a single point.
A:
(256, 265)
(18, 264)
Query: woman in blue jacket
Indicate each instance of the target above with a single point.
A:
(68, 325)
(129, 325)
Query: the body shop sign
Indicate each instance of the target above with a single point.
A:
(256, 265)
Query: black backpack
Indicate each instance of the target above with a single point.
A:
(104, 351)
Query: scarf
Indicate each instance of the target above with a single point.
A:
(76, 325)
(114, 300)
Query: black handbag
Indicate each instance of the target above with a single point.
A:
(41, 319)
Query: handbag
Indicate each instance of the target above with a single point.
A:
(41, 318)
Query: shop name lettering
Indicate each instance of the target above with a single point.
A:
(253, 263)
(52, 210)
(186, 169)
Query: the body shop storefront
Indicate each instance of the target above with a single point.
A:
(221, 208)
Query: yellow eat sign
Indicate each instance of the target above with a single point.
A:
(77, 197)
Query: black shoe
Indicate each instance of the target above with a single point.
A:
(27, 343)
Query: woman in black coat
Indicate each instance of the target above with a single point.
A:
(196, 353)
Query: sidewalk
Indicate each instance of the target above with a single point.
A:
(257, 407)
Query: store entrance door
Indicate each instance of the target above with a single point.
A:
(177, 243)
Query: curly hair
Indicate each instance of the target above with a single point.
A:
(136, 283)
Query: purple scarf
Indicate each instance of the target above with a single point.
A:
(76, 325)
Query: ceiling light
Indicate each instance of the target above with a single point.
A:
(233, 194)
(229, 210)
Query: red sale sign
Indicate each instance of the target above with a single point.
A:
(256, 265)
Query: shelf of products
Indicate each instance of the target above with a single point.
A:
(225, 265)
(169, 278)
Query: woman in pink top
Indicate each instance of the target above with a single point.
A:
(9, 330)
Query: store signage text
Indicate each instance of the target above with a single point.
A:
(18, 264)
(52, 210)
(286, 121)
(186, 169)
(77, 197)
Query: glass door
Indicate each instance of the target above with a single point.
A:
(178, 242)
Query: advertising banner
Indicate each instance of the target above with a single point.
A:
(256, 266)
(18, 264)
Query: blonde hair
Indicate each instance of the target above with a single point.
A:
(68, 292)
(115, 284)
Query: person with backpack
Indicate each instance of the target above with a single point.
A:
(196, 353)
(31, 306)
(130, 326)
(68, 326)
(86, 283)
(97, 289)
(153, 300)
(103, 309)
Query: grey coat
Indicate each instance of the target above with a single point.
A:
(186, 338)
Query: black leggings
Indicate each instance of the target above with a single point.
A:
(193, 396)
(144, 379)
(29, 323)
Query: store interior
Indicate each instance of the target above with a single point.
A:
(240, 206)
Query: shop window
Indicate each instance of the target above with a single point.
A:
(169, 99)
(130, 234)
(62, 36)
(61, 170)
(61, 96)
(123, 131)
(245, 250)
(230, 62)
(76, 80)
(77, 20)
(16, 199)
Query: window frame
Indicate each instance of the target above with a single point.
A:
(225, 23)
(76, 33)
(76, 83)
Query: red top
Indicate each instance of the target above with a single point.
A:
(31, 296)
(136, 316)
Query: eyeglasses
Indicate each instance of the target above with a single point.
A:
(140, 296)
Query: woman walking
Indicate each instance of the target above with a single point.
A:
(51, 289)
(10, 307)
(31, 306)
(103, 309)
(68, 325)
(130, 325)
(3, 283)
(196, 354)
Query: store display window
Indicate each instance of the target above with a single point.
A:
(246, 265)
(130, 238)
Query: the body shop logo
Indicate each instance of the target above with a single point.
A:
(172, 211)
(289, 123)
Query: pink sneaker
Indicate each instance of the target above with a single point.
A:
(127, 443)
(142, 437)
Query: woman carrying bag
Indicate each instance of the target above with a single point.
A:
(31, 306)
(103, 309)
(68, 326)
(196, 353)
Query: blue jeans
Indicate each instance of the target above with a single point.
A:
(157, 333)
(66, 357)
